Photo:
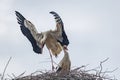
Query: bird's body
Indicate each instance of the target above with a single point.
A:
(52, 44)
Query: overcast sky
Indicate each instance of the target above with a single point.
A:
(92, 26)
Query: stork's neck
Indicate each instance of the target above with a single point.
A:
(44, 37)
(66, 52)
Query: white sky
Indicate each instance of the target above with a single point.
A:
(92, 26)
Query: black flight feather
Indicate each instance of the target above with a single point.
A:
(27, 33)
(65, 40)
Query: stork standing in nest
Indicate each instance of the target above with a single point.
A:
(55, 40)
(64, 65)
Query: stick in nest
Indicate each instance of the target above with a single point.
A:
(5, 68)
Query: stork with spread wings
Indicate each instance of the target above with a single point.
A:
(55, 40)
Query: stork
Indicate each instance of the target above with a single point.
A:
(64, 65)
(55, 40)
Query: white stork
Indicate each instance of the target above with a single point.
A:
(64, 65)
(55, 40)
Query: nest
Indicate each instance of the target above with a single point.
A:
(78, 73)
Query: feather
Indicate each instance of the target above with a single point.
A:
(26, 32)
(60, 27)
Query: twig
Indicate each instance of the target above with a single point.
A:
(5, 68)
(103, 73)
(101, 67)
(21, 74)
(9, 76)
(13, 75)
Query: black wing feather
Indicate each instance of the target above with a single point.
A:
(59, 20)
(27, 32)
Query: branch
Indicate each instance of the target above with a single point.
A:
(101, 66)
(5, 68)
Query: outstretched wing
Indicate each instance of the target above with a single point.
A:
(29, 31)
(60, 27)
